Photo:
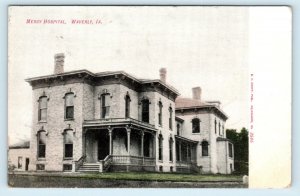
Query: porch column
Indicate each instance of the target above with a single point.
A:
(128, 129)
(110, 139)
(179, 150)
(142, 143)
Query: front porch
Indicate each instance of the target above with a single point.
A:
(117, 145)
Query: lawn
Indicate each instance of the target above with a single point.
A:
(163, 177)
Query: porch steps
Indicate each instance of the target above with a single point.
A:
(89, 167)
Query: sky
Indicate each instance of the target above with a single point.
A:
(199, 46)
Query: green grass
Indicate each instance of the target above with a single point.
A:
(163, 177)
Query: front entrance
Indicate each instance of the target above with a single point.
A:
(26, 164)
(96, 145)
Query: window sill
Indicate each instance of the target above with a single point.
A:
(196, 133)
(41, 159)
(69, 119)
(42, 121)
(68, 158)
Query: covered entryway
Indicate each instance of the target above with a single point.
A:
(96, 145)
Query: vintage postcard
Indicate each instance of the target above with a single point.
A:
(129, 96)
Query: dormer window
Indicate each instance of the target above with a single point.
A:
(196, 125)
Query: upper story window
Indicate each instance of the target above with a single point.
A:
(105, 105)
(178, 128)
(160, 112)
(41, 144)
(68, 143)
(230, 146)
(127, 106)
(170, 118)
(69, 106)
(215, 126)
(145, 110)
(160, 147)
(196, 125)
(204, 145)
(219, 128)
(43, 108)
(223, 130)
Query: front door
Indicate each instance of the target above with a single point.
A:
(26, 164)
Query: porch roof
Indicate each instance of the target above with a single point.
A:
(118, 122)
(185, 139)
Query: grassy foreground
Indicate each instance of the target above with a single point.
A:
(163, 177)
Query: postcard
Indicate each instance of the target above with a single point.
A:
(149, 96)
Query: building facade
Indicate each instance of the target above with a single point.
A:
(112, 121)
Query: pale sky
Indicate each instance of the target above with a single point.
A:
(199, 46)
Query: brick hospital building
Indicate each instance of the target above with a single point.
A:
(112, 121)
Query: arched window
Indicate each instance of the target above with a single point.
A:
(127, 106)
(196, 125)
(41, 144)
(145, 110)
(160, 112)
(69, 106)
(204, 145)
(178, 128)
(171, 149)
(43, 108)
(68, 143)
(105, 105)
(170, 118)
(160, 147)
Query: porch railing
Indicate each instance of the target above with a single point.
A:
(191, 165)
(78, 163)
(132, 160)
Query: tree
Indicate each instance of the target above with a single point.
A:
(241, 150)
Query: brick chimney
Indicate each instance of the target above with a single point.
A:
(163, 74)
(196, 93)
(59, 60)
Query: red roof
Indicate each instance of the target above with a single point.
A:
(188, 102)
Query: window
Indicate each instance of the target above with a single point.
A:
(67, 167)
(204, 145)
(43, 108)
(160, 147)
(171, 149)
(196, 125)
(69, 106)
(160, 113)
(170, 118)
(68, 144)
(105, 105)
(178, 129)
(177, 151)
(40, 167)
(230, 150)
(20, 160)
(127, 106)
(219, 128)
(223, 130)
(42, 144)
(215, 126)
(145, 110)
